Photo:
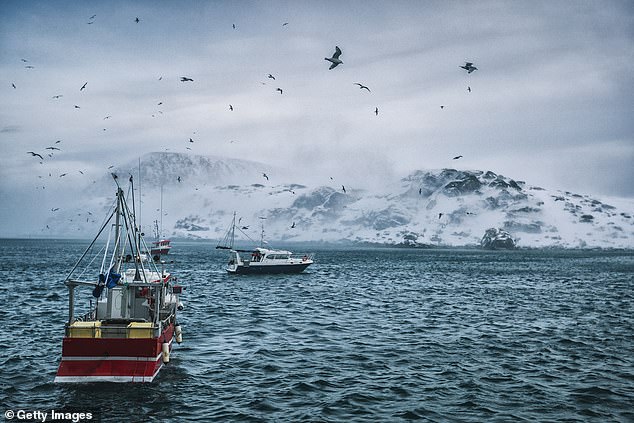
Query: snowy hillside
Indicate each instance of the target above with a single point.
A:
(433, 207)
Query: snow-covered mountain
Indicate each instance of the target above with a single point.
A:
(427, 207)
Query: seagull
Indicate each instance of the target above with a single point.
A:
(55, 209)
(191, 140)
(280, 90)
(35, 154)
(58, 96)
(343, 188)
(442, 107)
(376, 111)
(77, 107)
(420, 191)
(271, 77)
(457, 157)
(468, 66)
(469, 89)
(266, 176)
(231, 107)
(107, 117)
(244, 228)
(24, 60)
(179, 179)
(293, 225)
(234, 26)
(137, 20)
(92, 17)
(83, 86)
(110, 167)
(285, 23)
(51, 148)
(58, 141)
(29, 67)
(439, 215)
(13, 85)
(361, 86)
(335, 58)
(185, 79)
(62, 175)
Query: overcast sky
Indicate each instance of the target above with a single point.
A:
(551, 102)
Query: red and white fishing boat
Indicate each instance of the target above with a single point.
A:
(128, 331)
(160, 247)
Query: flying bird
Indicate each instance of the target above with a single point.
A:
(55, 209)
(343, 188)
(376, 111)
(271, 77)
(62, 175)
(266, 176)
(191, 140)
(442, 107)
(35, 154)
(469, 89)
(231, 107)
(13, 85)
(335, 58)
(468, 66)
(280, 90)
(234, 26)
(439, 215)
(293, 225)
(179, 179)
(285, 23)
(58, 96)
(77, 107)
(29, 67)
(361, 86)
(185, 79)
(457, 157)
(92, 17)
(24, 60)
(58, 141)
(83, 86)
(137, 20)
(107, 117)
(51, 148)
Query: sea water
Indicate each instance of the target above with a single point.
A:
(362, 335)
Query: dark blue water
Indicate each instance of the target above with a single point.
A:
(363, 335)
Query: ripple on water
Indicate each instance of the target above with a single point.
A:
(366, 335)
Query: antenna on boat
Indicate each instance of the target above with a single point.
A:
(262, 233)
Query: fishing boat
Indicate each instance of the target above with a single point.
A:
(127, 332)
(261, 260)
(160, 247)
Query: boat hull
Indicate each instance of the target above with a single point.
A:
(268, 269)
(112, 359)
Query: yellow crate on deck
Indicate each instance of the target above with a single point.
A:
(140, 330)
(85, 330)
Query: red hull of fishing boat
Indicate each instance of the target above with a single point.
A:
(112, 359)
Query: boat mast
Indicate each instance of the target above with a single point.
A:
(117, 229)
(160, 232)
(233, 230)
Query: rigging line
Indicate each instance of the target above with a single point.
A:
(89, 247)
(90, 263)
(103, 262)
(135, 248)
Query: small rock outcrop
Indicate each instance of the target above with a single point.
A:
(495, 239)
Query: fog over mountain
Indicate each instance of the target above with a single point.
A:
(444, 207)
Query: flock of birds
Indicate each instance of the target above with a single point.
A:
(334, 59)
